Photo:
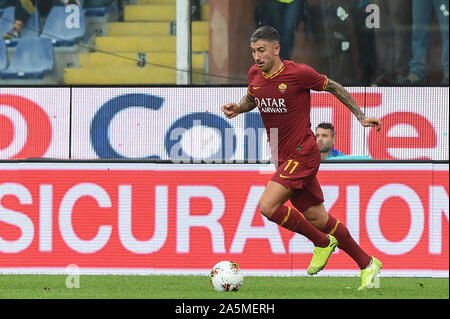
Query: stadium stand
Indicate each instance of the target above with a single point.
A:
(33, 58)
(148, 28)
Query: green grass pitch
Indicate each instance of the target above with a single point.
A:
(198, 287)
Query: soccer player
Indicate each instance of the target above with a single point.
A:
(281, 91)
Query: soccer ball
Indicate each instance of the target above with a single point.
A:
(226, 276)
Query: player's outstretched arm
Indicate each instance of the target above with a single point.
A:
(232, 109)
(346, 98)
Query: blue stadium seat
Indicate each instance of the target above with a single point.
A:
(97, 8)
(7, 20)
(59, 32)
(31, 29)
(33, 59)
(3, 55)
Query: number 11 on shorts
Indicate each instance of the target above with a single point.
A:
(289, 163)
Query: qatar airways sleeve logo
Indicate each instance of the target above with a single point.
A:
(25, 128)
(270, 105)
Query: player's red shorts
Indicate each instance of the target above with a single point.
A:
(299, 173)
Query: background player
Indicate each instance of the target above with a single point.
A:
(325, 140)
(281, 91)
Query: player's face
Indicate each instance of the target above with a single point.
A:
(325, 140)
(265, 54)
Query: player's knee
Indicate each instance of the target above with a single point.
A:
(265, 208)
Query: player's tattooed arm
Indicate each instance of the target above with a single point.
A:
(345, 97)
(246, 105)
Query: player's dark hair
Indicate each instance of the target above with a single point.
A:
(266, 33)
(327, 126)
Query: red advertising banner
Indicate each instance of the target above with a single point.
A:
(167, 218)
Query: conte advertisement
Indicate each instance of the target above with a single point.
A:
(185, 124)
(153, 218)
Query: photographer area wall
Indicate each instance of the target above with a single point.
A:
(144, 218)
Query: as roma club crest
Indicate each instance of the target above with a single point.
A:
(282, 87)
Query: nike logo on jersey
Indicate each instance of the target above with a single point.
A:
(282, 176)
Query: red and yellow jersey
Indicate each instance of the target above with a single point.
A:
(283, 100)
